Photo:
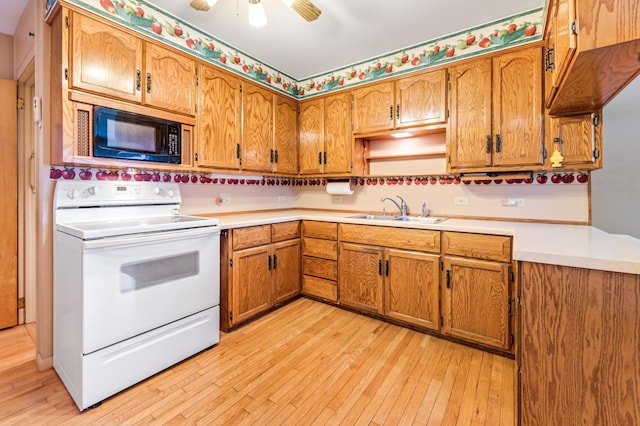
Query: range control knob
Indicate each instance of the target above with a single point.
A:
(93, 190)
(171, 194)
(73, 194)
(157, 190)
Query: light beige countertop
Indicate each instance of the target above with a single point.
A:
(566, 245)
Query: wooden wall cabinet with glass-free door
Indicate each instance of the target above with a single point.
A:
(591, 53)
(326, 143)
(219, 119)
(106, 61)
(476, 288)
(495, 120)
(391, 272)
(578, 138)
(260, 268)
(269, 131)
(418, 100)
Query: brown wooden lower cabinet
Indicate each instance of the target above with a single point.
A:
(580, 358)
(412, 287)
(360, 277)
(256, 273)
(319, 260)
(475, 301)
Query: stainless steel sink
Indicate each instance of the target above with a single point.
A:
(428, 219)
(373, 217)
(420, 219)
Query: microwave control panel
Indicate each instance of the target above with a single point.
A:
(173, 146)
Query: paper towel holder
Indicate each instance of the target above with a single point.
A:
(340, 186)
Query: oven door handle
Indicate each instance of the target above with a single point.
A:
(156, 237)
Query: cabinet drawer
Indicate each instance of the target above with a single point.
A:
(321, 268)
(285, 231)
(325, 249)
(251, 236)
(401, 238)
(318, 287)
(324, 230)
(480, 246)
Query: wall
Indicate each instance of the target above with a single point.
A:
(24, 46)
(201, 198)
(616, 188)
(548, 202)
(6, 52)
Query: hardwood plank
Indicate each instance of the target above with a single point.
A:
(305, 363)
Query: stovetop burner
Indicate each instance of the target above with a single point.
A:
(91, 210)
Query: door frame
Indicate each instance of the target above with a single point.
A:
(27, 197)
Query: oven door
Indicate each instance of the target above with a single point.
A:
(133, 284)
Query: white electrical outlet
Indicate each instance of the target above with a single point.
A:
(281, 198)
(461, 201)
(514, 202)
(225, 198)
(337, 198)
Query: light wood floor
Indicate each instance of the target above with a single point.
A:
(306, 363)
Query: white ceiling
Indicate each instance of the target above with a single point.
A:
(347, 31)
(11, 13)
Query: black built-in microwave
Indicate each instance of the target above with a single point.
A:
(130, 136)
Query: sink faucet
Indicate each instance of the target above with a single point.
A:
(402, 206)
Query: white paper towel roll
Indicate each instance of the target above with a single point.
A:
(339, 188)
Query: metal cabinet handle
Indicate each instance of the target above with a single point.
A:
(148, 82)
(390, 112)
(498, 143)
(138, 80)
(488, 147)
(448, 278)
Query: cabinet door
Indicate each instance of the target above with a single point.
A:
(422, 99)
(578, 139)
(286, 270)
(219, 120)
(517, 108)
(412, 288)
(285, 139)
(338, 141)
(563, 42)
(475, 301)
(373, 108)
(469, 136)
(360, 277)
(170, 81)
(105, 60)
(311, 137)
(252, 291)
(257, 128)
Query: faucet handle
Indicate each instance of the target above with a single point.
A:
(424, 209)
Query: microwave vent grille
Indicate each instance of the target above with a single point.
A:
(186, 145)
(83, 133)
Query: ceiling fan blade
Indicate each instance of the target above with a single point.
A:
(200, 5)
(306, 9)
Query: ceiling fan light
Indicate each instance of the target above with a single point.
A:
(257, 16)
(288, 2)
(211, 2)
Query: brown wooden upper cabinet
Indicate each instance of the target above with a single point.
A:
(592, 53)
(577, 137)
(114, 63)
(496, 113)
(284, 155)
(219, 119)
(257, 128)
(326, 143)
(408, 102)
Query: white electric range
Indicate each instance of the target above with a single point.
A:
(136, 284)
